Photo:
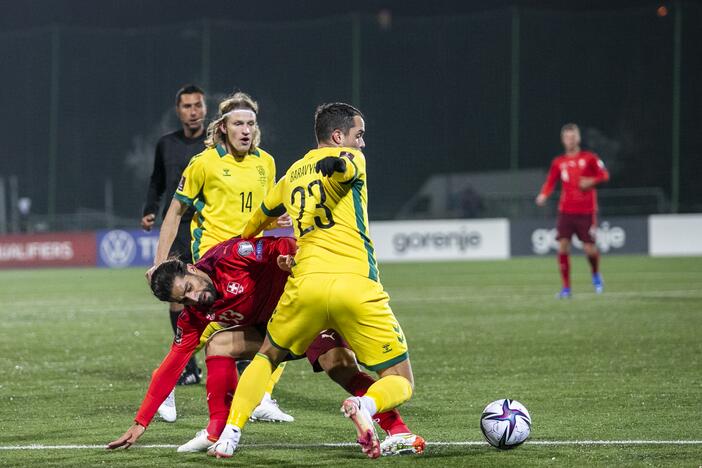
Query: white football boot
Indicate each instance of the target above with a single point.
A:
(199, 443)
(365, 429)
(402, 444)
(227, 443)
(268, 410)
(167, 410)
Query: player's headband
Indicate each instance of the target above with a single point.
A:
(227, 114)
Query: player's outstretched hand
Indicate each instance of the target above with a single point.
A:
(284, 221)
(541, 199)
(128, 438)
(329, 165)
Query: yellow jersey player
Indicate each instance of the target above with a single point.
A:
(224, 183)
(334, 281)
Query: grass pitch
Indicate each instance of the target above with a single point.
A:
(78, 345)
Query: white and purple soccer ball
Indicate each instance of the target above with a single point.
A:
(505, 423)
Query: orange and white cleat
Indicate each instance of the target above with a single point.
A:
(402, 444)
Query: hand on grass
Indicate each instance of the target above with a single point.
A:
(128, 438)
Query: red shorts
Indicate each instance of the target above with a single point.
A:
(326, 340)
(582, 225)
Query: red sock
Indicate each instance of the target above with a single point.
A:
(594, 262)
(221, 384)
(565, 269)
(390, 421)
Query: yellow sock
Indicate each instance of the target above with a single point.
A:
(250, 390)
(275, 377)
(389, 392)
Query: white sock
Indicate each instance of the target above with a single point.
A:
(369, 404)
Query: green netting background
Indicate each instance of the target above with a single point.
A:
(85, 106)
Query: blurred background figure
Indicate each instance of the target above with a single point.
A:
(579, 172)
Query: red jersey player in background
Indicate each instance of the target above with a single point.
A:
(579, 172)
(229, 296)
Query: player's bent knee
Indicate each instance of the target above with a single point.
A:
(405, 388)
(590, 248)
(274, 355)
(564, 245)
(402, 369)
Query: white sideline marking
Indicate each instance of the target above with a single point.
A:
(351, 444)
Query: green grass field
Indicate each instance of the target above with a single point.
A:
(77, 347)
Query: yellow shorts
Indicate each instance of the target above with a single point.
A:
(357, 307)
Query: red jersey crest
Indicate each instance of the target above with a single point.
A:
(234, 288)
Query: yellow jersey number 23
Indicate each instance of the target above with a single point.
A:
(301, 193)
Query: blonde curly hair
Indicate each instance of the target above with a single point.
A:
(238, 100)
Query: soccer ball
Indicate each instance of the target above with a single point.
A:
(505, 423)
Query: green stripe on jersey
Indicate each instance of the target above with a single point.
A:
(183, 199)
(361, 225)
(197, 239)
(386, 364)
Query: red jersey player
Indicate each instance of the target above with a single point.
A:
(579, 172)
(229, 296)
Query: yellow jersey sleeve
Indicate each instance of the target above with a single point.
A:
(271, 207)
(273, 204)
(341, 182)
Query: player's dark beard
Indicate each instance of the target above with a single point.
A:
(208, 296)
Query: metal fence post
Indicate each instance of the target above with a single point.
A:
(3, 207)
(206, 54)
(514, 95)
(675, 150)
(53, 123)
(356, 57)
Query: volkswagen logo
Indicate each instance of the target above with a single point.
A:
(117, 248)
